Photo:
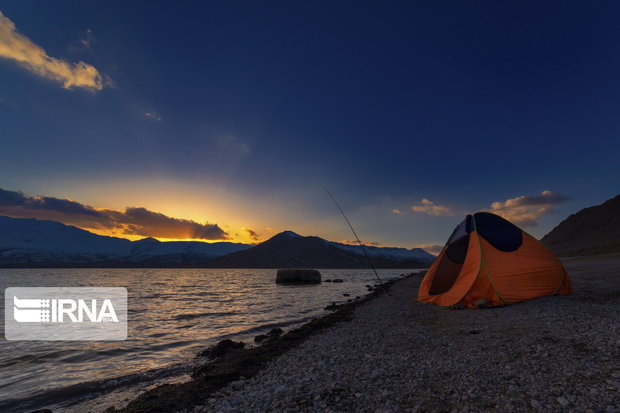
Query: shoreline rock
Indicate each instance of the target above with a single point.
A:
(221, 348)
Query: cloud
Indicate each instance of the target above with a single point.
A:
(431, 248)
(141, 221)
(109, 82)
(396, 211)
(20, 49)
(132, 221)
(152, 115)
(251, 233)
(525, 210)
(84, 43)
(351, 242)
(431, 208)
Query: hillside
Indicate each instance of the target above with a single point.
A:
(593, 230)
(289, 249)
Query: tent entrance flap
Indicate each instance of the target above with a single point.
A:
(450, 265)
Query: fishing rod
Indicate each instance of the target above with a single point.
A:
(358, 239)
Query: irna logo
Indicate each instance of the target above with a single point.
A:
(28, 310)
(65, 313)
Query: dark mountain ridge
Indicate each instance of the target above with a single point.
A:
(288, 249)
(591, 231)
(32, 243)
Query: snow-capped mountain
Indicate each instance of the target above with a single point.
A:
(33, 242)
(392, 253)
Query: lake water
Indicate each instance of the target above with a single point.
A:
(173, 314)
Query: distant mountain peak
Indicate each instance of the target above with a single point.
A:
(290, 250)
(149, 240)
(416, 249)
(289, 234)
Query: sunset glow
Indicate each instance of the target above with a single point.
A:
(237, 142)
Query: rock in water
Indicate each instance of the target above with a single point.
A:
(298, 276)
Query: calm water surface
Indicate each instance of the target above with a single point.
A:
(173, 313)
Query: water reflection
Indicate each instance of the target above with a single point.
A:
(173, 313)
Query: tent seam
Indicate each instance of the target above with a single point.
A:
(484, 265)
(479, 267)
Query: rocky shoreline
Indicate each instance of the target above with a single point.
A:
(553, 354)
(228, 361)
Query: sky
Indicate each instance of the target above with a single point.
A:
(224, 120)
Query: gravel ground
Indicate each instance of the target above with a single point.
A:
(559, 354)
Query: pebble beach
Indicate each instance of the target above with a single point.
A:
(553, 354)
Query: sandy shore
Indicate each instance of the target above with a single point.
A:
(557, 353)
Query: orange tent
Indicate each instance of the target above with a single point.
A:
(489, 261)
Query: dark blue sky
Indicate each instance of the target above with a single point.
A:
(237, 113)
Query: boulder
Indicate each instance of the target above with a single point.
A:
(338, 280)
(298, 276)
(273, 334)
(221, 348)
(276, 332)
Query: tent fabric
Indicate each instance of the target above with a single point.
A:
(494, 264)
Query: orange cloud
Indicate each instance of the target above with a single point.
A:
(351, 242)
(134, 221)
(20, 49)
(431, 208)
(253, 235)
(525, 210)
